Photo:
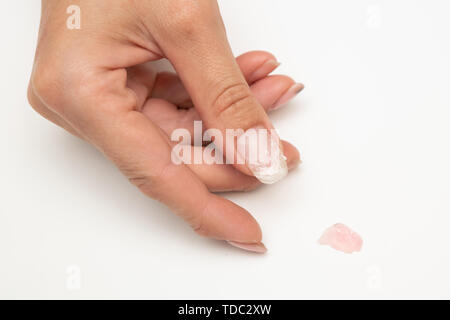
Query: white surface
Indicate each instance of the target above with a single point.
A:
(373, 129)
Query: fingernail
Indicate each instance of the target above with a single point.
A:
(253, 247)
(260, 150)
(291, 93)
(266, 68)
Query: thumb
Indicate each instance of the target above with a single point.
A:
(196, 44)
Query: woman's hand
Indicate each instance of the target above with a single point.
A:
(96, 83)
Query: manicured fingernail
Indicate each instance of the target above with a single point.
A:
(253, 247)
(260, 150)
(266, 68)
(291, 93)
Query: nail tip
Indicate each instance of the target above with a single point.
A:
(294, 90)
(273, 62)
(251, 247)
(300, 85)
(272, 178)
(265, 69)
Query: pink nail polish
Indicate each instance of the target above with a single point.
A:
(341, 238)
(253, 247)
(291, 93)
(266, 68)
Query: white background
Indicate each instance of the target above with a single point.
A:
(373, 129)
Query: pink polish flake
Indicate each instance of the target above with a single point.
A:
(341, 238)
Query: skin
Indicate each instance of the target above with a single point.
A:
(98, 83)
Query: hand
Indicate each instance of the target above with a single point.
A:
(98, 84)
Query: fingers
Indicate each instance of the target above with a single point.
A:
(275, 91)
(217, 177)
(143, 154)
(272, 92)
(202, 57)
(107, 116)
(254, 66)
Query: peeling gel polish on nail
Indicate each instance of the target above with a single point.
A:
(341, 238)
(261, 152)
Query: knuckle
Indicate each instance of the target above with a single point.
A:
(231, 99)
(185, 17)
(183, 14)
(150, 183)
(42, 84)
(48, 83)
(186, 20)
(145, 183)
(199, 229)
(155, 186)
(197, 222)
(237, 107)
(37, 105)
(82, 92)
(139, 181)
(31, 97)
